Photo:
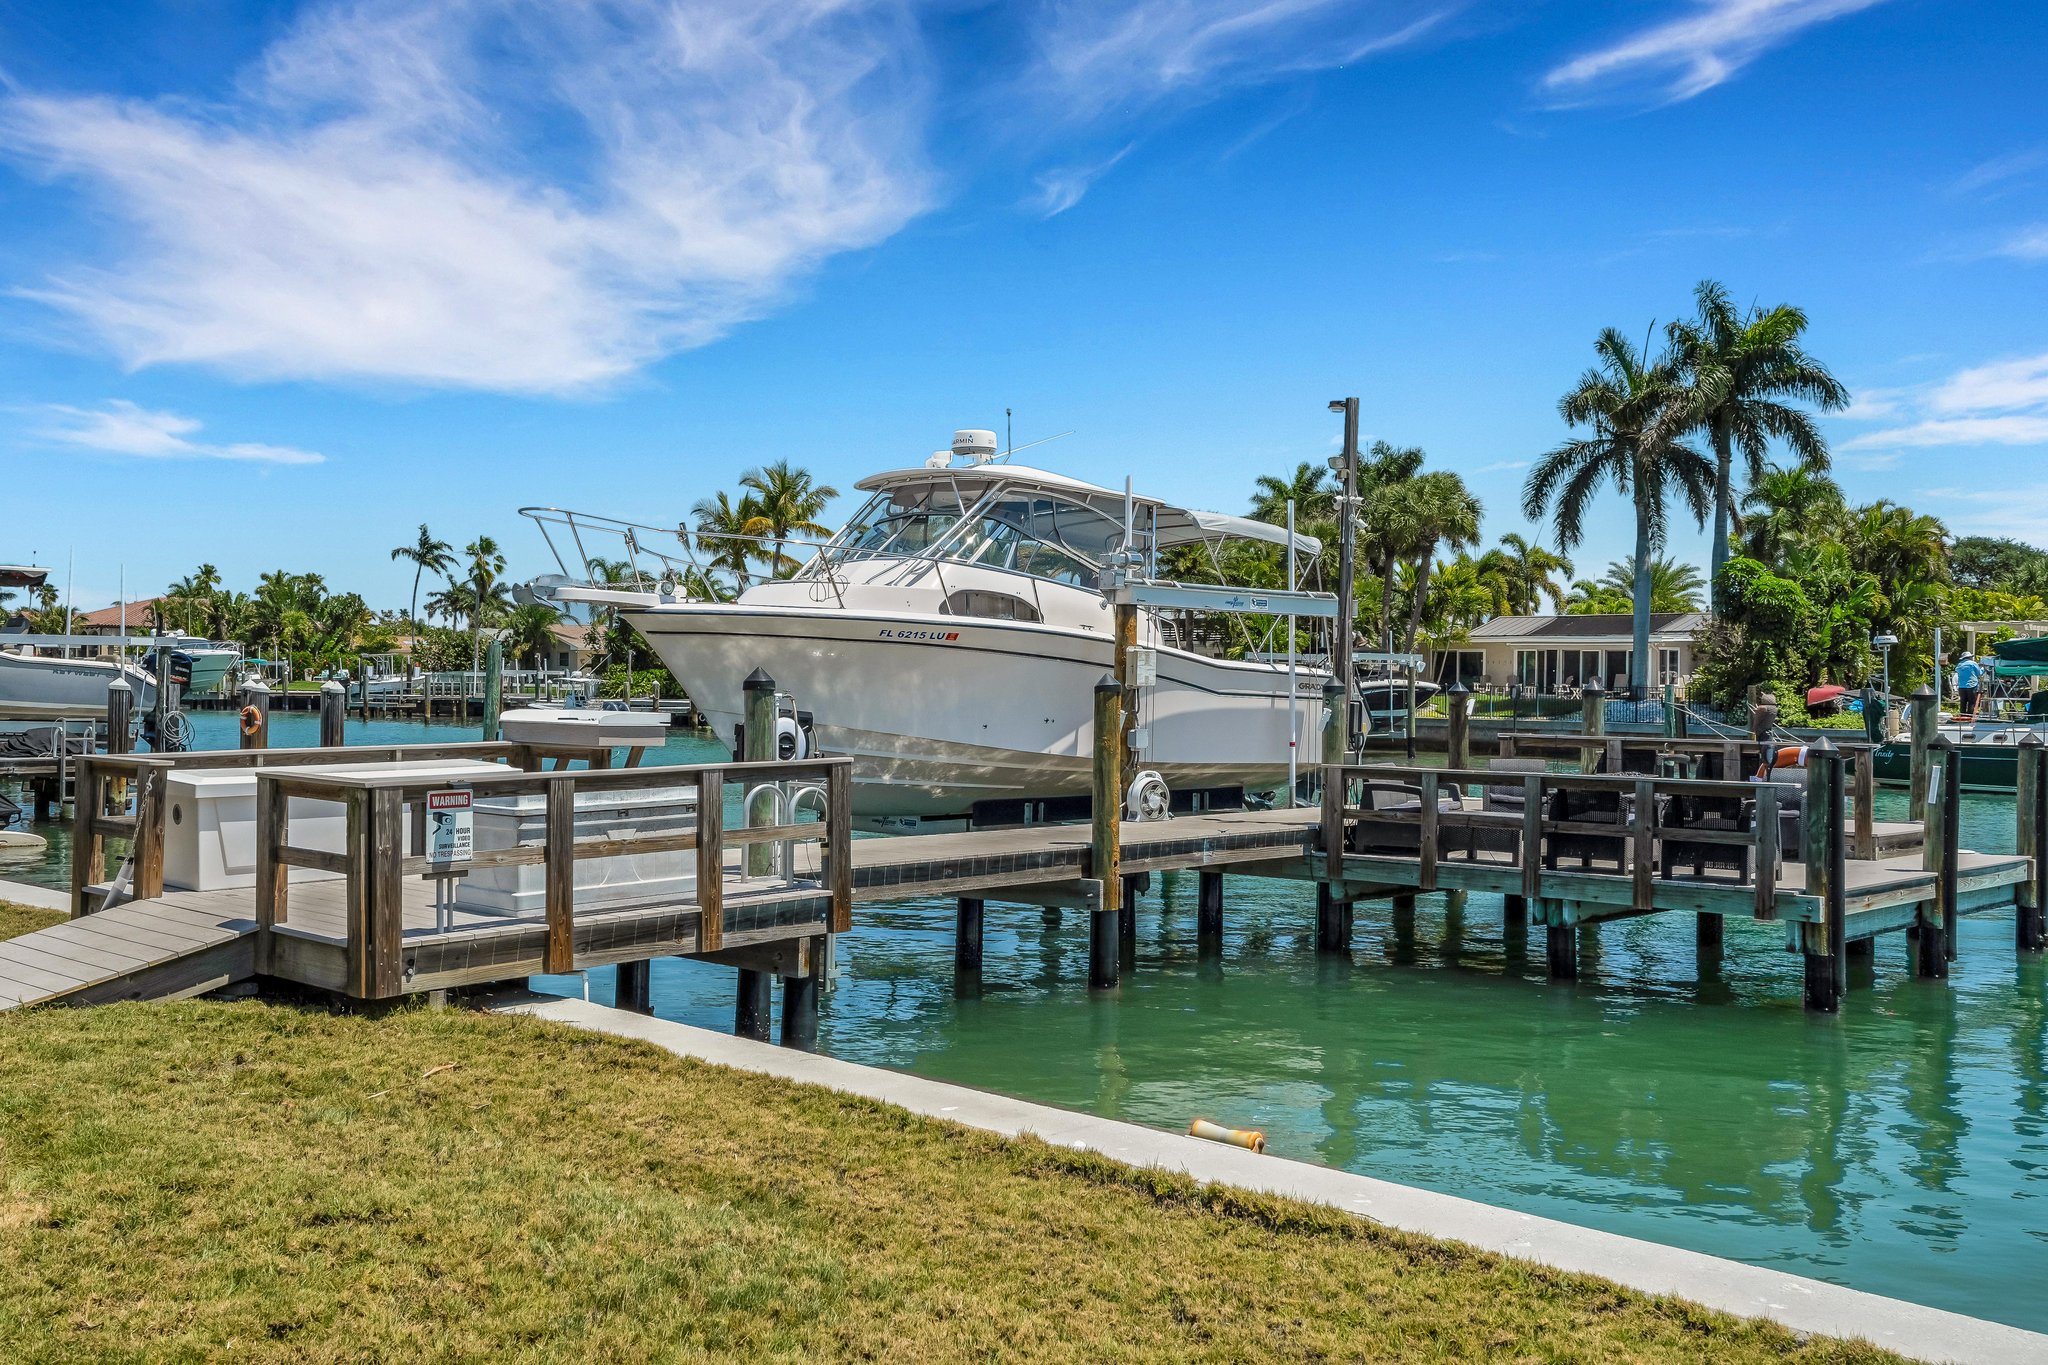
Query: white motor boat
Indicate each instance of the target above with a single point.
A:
(211, 660)
(38, 687)
(949, 638)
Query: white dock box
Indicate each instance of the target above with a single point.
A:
(601, 883)
(210, 840)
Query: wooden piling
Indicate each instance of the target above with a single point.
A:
(1931, 948)
(1671, 710)
(120, 716)
(757, 705)
(634, 988)
(1593, 704)
(1458, 725)
(1821, 853)
(1209, 914)
(1127, 924)
(2032, 803)
(333, 711)
(255, 731)
(1561, 951)
(754, 1011)
(1105, 838)
(1333, 921)
(494, 685)
(967, 918)
(1763, 717)
(1926, 722)
(800, 1008)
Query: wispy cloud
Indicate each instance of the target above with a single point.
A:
(2028, 244)
(2002, 403)
(1096, 56)
(123, 428)
(2018, 511)
(496, 195)
(1063, 187)
(1690, 55)
(2000, 172)
(1501, 466)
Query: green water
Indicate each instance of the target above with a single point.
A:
(1901, 1147)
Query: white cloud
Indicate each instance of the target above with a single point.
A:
(1063, 187)
(2000, 171)
(2007, 510)
(2028, 244)
(1690, 55)
(1096, 56)
(122, 428)
(2002, 403)
(1501, 466)
(508, 194)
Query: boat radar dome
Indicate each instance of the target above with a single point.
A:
(979, 447)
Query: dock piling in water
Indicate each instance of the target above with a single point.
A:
(1209, 913)
(333, 712)
(1105, 846)
(967, 919)
(2032, 803)
(1926, 725)
(255, 730)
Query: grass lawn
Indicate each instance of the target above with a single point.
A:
(26, 919)
(206, 1180)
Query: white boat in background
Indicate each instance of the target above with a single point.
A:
(36, 687)
(212, 660)
(949, 638)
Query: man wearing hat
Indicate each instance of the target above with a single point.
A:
(1968, 676)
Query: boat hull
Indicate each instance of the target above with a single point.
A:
(33, 688)
(1985, 767)
(940, 713)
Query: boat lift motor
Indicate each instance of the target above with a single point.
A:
(796, 736)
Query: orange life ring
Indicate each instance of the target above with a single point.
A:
(1792, 757)
(252, 720)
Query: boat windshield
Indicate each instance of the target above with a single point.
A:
(1022, 530)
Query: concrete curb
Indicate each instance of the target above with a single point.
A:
(1749, 1291)
(41, 897)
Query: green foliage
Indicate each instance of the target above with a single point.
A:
(1759, 635)
(1999, 565)
(655, 681)
(437, 649)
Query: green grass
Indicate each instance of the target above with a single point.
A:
(26, 919)
(205, 1181)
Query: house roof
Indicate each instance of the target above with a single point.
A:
(109, 618)
(572, 633)
(1564, 630)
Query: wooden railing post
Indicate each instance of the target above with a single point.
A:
(385, 811)
(361, 975)
(1532, 839)
(152, 815)
(839, 843)
(1643, 850)
(1863, 800)
(1766, 851)
(1105, 967)
(272, 875)
(1926, 722)
(560, 953)
(1932, 956)
(1458, 726)
(1820, 852)
(88, 845)
(2032, 894)
(1428, 837)
(711, 860)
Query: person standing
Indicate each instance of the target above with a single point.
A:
(1969, 677)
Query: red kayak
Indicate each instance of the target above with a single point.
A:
(1825, 693)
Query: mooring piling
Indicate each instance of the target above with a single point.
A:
(1926, 724)
(1935, 920)
(333, 713)
(800, 1007)
(967, 920)
(1209, 914)
(2032, 803)
(755, 1010)
(634, 987)
(255, 717)
(1822, 852)
(1105, 935)
(494, 685)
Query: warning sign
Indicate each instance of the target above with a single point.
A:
(450, 836)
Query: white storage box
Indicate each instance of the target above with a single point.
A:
(601, 883)
(210, 840)
(584, 726)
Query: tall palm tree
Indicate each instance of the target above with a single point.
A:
(1787, 508)
(425, 553)
(1637, 410)
(1386, 528)
(1674, 584)
(788, 503)
(1737, 369)
(530, 631)
(1309, 488)
(1532, 573)
(1441, 513)
(488, 599)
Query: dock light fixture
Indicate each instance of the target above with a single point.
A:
(1884, 644)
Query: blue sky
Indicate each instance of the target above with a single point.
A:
(282, 282)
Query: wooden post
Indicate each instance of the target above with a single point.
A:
(560, 953)
(1106, 838)
(1458, 726)
(757, 704)
(839, 843)
(1926, 723)
(1593, 702)
(333, 711)
(272, 876)
(2032, 897)
(1710, 934)
(255, 695)
(967, 917)
(88, 845)
(494, 686)
(1681, 723)
(152, 816)
(1209, 914)
(1561, 951)
(1643, 846)
(633, 990)
(800, 1008)
(120, 716)
(755, 1009)
(1127, 925)
(1671, 710)
(1863, 804)
(1763, 717)
(1767, 851)
(711, 866)
(1822, 847)
(1931, 956)
(1333, 921)
(1951, 832)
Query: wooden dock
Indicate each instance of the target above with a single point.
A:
(1563, 850)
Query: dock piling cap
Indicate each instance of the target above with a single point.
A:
(1108, 683)
(758, 681)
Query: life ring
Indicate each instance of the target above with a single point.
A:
(252, 720)
(1791, 757)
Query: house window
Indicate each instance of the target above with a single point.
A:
(1667, 666)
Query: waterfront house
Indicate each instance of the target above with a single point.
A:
(1561, 654)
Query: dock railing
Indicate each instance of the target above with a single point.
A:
(1646, 831)
(386, 843)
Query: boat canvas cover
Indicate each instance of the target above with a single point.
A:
(2021, 658)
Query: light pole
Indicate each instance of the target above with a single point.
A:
(1346, 465)
(1884, 644)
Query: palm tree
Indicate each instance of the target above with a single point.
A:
(725, 531)
(789, 504)
(1309, 488)
(530, 631)
(1531, 572)
(1737, 367)
(1441, 512)
(1637, 411)
(1385, 528)
(425, 553)
(487, 598)
(1674, 584)
(1789, 507)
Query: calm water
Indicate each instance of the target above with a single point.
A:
(1901, 1147)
